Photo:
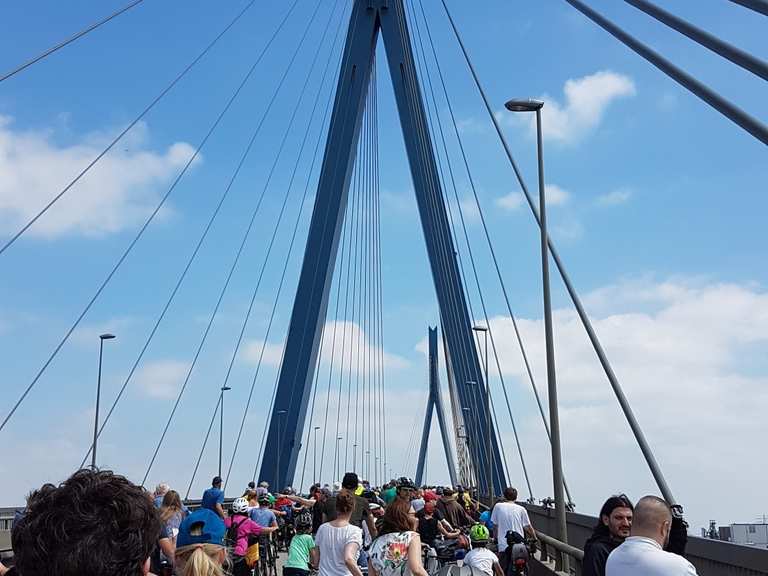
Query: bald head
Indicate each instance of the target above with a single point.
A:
(652, 519)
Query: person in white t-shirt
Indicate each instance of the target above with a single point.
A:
(642, 554)
(480, 557)
(338, 543)
(509, 515)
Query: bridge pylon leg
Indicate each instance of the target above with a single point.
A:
(370, 18)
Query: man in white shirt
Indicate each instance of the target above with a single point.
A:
(508, 515)
(642, 554)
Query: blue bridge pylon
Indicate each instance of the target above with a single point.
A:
(368, 19)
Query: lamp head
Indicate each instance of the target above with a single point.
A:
(528, 105)
(107, 336)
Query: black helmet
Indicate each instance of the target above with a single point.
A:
(303, 520)
(407, 483)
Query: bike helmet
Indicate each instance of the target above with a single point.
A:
(240, 506)
(478, 533)
(406, 483)
(288, 490)
(303, 520)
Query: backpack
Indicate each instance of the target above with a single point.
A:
(230, 538)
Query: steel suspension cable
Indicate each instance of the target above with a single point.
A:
(472, 393)
(193, 256)
(618, 391)
(202, 449)
(760, 6)
(302, 147)
(133, 242)
(728, 109)
(359, 170)
(293, 237)
(362, 377)
(474, 268)
(449, 316)
(435, 113)
(322, 335)
(67, 41)
(728, 51)
(518, 335)
(246, 235)
(349, 321)
(141, 115)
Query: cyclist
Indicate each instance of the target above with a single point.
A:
(298, 561)
(239, 528)
(480, 557)
(262, 515)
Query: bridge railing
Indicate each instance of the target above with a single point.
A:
(710, 557)
(559, 556)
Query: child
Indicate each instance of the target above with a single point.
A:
(480, 557)
(298, 562)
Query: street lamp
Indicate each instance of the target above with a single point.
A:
(489, 446)
(314, 464)
(336, 459)
(554, 418)
(221, 424)
(467, 430)
(98, 398)
(280, 413)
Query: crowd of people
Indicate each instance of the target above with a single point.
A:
(98, 523)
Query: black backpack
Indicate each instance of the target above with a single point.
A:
(230, 538)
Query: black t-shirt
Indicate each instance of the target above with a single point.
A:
(359, 514)
(428, 529)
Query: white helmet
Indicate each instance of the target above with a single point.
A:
(240, 506)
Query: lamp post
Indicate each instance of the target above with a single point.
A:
(280, 414)
(554, 418)
(488, 443)
(314, 463)
(221, 425)
(102, 337)
(336, 459)
(467, 431)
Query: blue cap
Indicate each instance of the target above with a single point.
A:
(203, 526)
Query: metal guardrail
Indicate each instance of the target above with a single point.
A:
(559, 556)
(710, 557)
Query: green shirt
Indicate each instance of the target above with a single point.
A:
(298, 553)
(389, 494)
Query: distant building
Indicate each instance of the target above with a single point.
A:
(750, 534)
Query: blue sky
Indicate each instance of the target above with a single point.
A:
(657, 208)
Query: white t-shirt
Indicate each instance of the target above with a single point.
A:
(638, 556)
(482, 559)
(509, 516)
(332, 541)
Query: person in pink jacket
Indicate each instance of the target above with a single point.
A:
(243, 528)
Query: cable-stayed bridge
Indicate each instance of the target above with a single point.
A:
(329, 409)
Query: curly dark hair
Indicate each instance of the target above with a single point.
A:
(94, 523)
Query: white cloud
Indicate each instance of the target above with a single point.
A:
(161, 379)
(556, 196)
(119, 191)
(511, 201)
(472, 125)
(688, 355)
(586, 100)
(356, 343)
(252, 351)
(569, 229)
(614, 198)
(349, 335)
(469, 209)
